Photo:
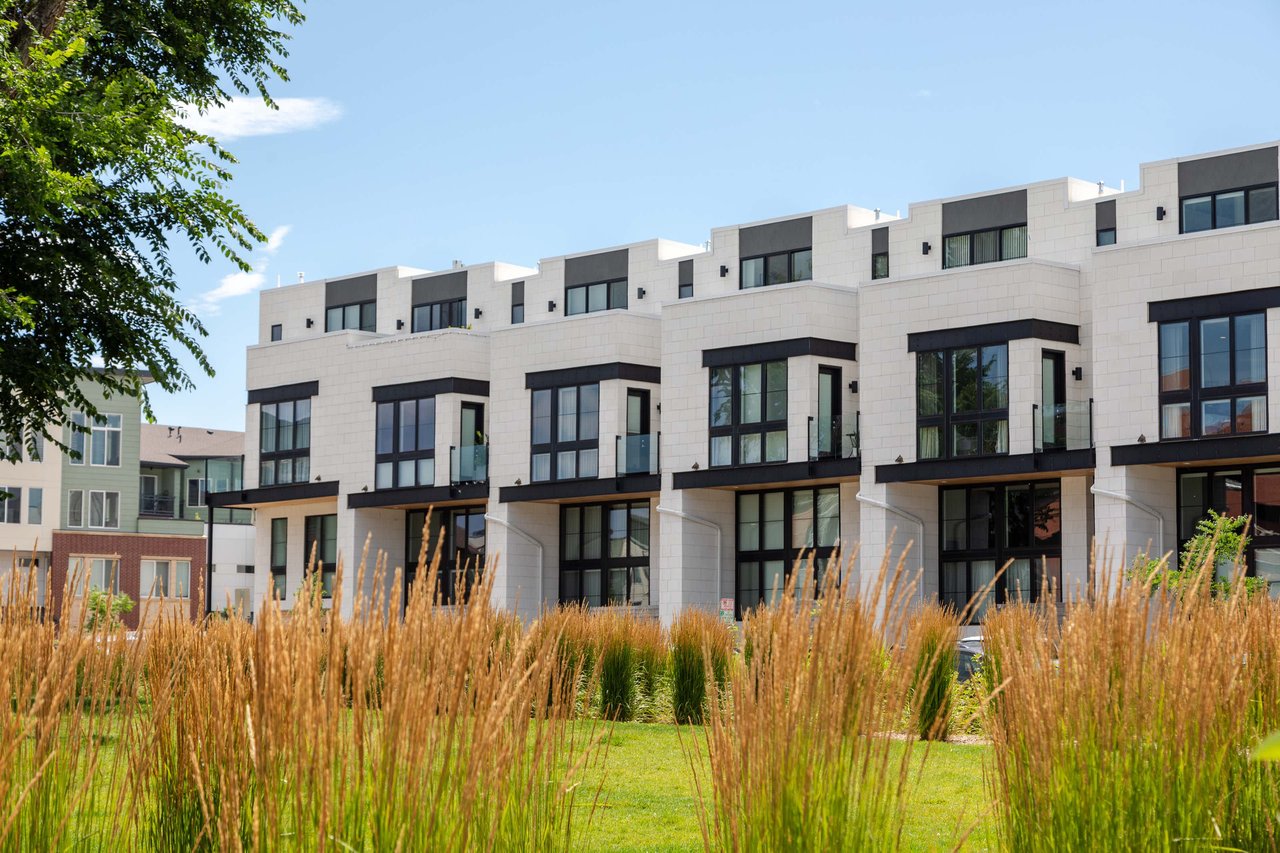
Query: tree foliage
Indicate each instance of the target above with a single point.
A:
(99, 178)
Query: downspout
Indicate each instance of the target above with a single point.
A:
(861, 498)
(719, 557)
(526, 537)
(1120, 496)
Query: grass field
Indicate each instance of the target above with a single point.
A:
(648, 801)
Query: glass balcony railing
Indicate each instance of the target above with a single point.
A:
(834, 438)
(1062, 426)
(157, 506)
(637, 454)
(469, 464)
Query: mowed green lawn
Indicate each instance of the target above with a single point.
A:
(648, 801)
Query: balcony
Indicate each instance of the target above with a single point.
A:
(157, 506)
(833, 437)
(637, 454)
(1062, 426)
(469, 464)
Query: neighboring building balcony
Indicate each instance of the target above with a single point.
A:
(469, 464)
(637, 454)
(158, 506)
(1062, 426)
(833, 437)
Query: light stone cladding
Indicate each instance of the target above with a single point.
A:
(1100, 294)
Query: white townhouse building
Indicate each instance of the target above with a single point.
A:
(1005, 376)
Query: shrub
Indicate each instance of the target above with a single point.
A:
(932, 634)
(104, 611)
(701, 646)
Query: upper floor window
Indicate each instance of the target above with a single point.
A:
(10, 505)
(277, 332)
(779, 268)
(285, 446)
(880, 265)
(103, 509)
(406, 444)
(749, 413)
(449, 314)
(962, 402)
(35, 506)
(565, 434)
(361, 316)
(604, 553)
(984, 247)
(600, 296)
(196, 492)
(103, 440)
(1213, 376)
(1229, 208)
(320, 543)
(1106, 236)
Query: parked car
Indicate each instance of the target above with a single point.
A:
(967, 652)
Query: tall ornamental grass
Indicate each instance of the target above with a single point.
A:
(802, 756)
(1130, 726)
(932, 632)
(701, 651)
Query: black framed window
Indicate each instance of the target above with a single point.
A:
(984, 247)
(1228, 208)
(460, 536)
(962, 402)
(1252, 490)
(565, 433)
(880, 265)
(774, 530)
(604, 553)
(748, 414)
(1213, 376)
(686, 290)
(986, 525)
(779, 268)
(1106, 236)
(277, 332)
(405, 444)
(517, 313)
(285, 442)
(279, 555)
(597, 296)
(320, 533)
(362, 316)
(449, 314)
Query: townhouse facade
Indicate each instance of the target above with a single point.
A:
(125, 511)
(1005, 377)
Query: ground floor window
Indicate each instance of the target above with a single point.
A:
(165, 579)
(1252, 490)
(604, 553)
(460, 536)
(775, 530)
(320, 543)
(984, 526)
(102, 572)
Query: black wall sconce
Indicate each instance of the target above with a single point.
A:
(924, 248)
(724, 271)
(399, 325)
(640, 293)
(551, 305)
(853, 386)
(310, 322)
(1159, 214)
(1078, 373)
(477, 314)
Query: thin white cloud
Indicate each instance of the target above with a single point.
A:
(241, 283)
(242, 117)
(923, 93)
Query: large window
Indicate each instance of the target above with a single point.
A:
(879, 265)
(1252, 490)
(984, 247)
(279, 556)
(102, 572)
(1213, 376)
(285, 443)
(984, 526)
(1228, 208)
(196, 491)
(565, 436)
(97, 509)
(406, 444)
(779, 268)
(449, 314)
(361, 316)
(748, 414)
(320, 543)
(165, 579)
(775, 530)
(962, 402)
(102, 440)
(599, 296)
(604, 553)
(460, 536)
(10, 505)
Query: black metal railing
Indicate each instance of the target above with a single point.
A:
(834, 437)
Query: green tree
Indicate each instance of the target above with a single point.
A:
(106, 611)
(99, 177)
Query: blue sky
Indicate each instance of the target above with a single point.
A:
(424, 132)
